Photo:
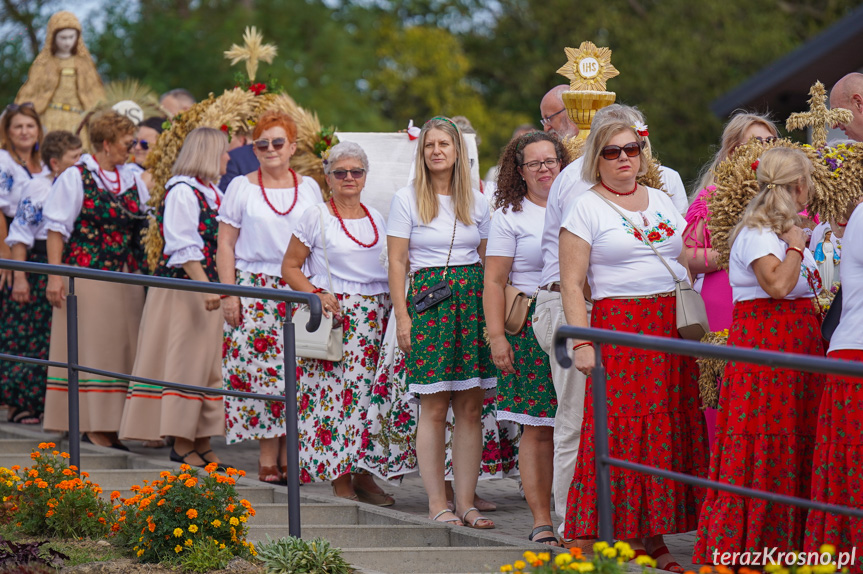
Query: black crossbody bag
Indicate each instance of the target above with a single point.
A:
(440, 291)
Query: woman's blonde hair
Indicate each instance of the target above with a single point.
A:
(780, 170)
(201, 154)
(460, 187)
(599, 137)
(732, 136)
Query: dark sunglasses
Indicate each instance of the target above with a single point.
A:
(15, 107)
(145, 145)
(343, 173)
(767, 140)
(613, 151)
(264, 145)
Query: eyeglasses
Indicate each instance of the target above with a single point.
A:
(547, 120)
(145, 145)
(771, 139)
(264, 145)
(549, 164)
(130, 145)
(343, 173)
(15, 107)
(613, 151)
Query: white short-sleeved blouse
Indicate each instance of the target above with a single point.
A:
(183, 242)
(518, 234)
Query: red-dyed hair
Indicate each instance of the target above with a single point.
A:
(275, 119)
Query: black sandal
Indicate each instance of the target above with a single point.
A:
(546, 528)
(222, 467)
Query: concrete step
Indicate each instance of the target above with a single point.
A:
(25, 445)
(315, 513)
(362, 536)
(421, 560)
(253, 494)
(89, 462)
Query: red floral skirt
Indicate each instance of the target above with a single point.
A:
(653, 419)
(765, 433)
(837, 469)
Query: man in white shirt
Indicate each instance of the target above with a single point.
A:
(569, 384)
(848, 94)
(553, 113)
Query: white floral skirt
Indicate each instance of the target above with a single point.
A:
(334, 397)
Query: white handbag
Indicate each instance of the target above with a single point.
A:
(325, 343)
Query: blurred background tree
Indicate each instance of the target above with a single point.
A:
(372, 65)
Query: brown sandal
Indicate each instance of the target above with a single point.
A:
(270, 475)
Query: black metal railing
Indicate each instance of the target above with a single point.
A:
(604, 461)
(73, 368)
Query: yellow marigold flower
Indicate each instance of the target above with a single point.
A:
(599, 547)
(222, 545)
(234, 521)
(193, 528)
(519, 565)
(609, 552)
(191, 482)
(192, 513)
(529, 556)
(252, 550)
(562, 559)
(827, 548)
(188, 542)
(583, 566)
(506, 568)
(178, 532)
(140, 552)
(217, 523)
(544, 556)
(178, 548)
(645, 560)
(243, 518)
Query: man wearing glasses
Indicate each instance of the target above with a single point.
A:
(554, 117)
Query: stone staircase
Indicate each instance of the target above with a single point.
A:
(372, 539)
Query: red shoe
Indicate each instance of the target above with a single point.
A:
(669, 566)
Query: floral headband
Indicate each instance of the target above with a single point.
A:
(641, 129)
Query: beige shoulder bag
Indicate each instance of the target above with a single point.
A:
(691, 314)
(327, 341)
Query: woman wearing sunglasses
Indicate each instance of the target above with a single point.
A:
(348, 276)
(256, 221)
(96, 208)
(653, 407)
(145, 138)
(525, 390)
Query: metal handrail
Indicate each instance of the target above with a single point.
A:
(290, 360)
(693, 349)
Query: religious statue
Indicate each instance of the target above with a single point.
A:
(63, 82)
(827, 257)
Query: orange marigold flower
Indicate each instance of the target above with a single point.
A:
(211, 467)
(64, 455)
(15, 467)
(185, 467)
(135, 488)
(192, 513)
(35, 455)
(191, 482)
(102, 520)
(42, 484)
(152, 527)
(73, 467)
(55, 452)
(575, 552)
(231, 471)
(49, 514)
(115, 495)
(85, 475)
(245, 503)
(33, 473)
(43, 445)
(164, 474)
(161, 502)
(67, 472)
(230, 508)
(50, 445)
(242, 473)
(115, 527)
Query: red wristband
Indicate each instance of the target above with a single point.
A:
(317, 290)
(842, 224)
(797, 249)
(223, 296)
(580, 345)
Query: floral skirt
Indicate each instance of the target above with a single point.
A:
(389, 439)
(448, 350)
(653, 419)
(838, 464)
(26, 331)
(334, 397)
(253, 361)
(765, 433)
(527, 396)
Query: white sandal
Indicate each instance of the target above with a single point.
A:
(475, 520)
(454, 519)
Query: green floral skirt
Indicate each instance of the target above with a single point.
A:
(527, 396)
(448, 351)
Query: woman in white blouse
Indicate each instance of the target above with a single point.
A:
(525, 390)
(343, 262)
(180, 339)
(27, 314)
(96, 208)
(837, 465)
(653, 406)
(765, 431)
(256, 222)
(437, 230)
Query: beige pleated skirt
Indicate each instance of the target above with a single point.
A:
(179, 342)
(109, 315)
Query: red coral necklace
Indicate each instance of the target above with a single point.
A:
(267, 199)
(615, 192)
(213, 189)
(108, 182)
(348, 233)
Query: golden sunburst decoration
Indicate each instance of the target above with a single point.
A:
(588, 68)
(252, 51)
(819, 117)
